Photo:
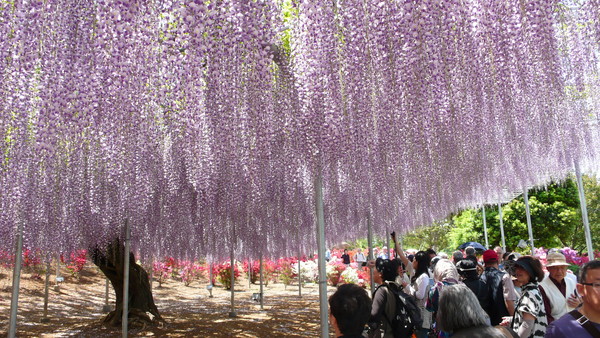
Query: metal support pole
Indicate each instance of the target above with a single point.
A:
(321, 253)
(125, 315)
(501, 227)
(370, 243)
(487, 244)
(46, 287)
(106, 307)
(14, 300)
(584, 214)
(299, 278)
(261, 282)
(299, 271)
(387, 243)
(528, 215)
(249, 274)
(232, 313)
(56, 286)
(151, 272)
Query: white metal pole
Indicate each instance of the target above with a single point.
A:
(57, 287)
(501, 228)
(387, 243)
(528, 215)
(299, 271)
(14, 300)
(321, 253)
(125, 315)
(249, 273)
(106, 307)
(151, 272)
(584, 214)
(46, 287)
(261, 281)
(210, 278)
(487, 244)
(299, 278)
(232, 312)
(370, 243)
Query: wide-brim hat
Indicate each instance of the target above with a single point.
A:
(556, 259)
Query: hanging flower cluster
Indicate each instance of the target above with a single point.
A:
(204, 124)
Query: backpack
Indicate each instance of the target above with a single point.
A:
(407, 316)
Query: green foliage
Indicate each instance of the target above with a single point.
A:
(362, 243)
(555, 217)
(466, 226)
(591, 187)
(434, 236)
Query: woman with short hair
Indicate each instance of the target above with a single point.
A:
(529, 320)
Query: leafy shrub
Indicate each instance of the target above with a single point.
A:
(223, 273)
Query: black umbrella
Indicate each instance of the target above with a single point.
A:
(475, 245)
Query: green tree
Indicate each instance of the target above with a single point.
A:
(591, 187)
(554, 217)
(434, 236)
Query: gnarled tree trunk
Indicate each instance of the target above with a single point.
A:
(142, 310)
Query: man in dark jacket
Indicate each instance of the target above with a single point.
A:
(468, 272)
(502, 294)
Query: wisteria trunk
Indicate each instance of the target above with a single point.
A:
(142, 310)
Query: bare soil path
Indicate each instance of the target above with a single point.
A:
(76, 309)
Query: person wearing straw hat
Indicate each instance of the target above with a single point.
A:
(559, 293)
(583, 322)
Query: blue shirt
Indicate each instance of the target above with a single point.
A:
(566, 326)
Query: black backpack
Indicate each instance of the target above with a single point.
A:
(407, 317)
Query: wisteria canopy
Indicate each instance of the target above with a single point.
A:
(205, 123)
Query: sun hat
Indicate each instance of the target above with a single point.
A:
(556, 259)
(490, 256)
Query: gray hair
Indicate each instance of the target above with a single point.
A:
(457, 256)
(444, 269)
(459, 309)
(443, 255)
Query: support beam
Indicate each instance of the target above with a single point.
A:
(14, 300)
(299, 271)
(261, 282)
(125, 315)
(106, 307)
(46, 289)
(528, 215)
(387, 244)
(249, 273)
(232, 313)
(57, 286)
(584, 213)
(485, 234)
(318, 185)
(501, 228)
(370, 243)
(299, 278)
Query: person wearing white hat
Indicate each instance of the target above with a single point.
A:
(559, 293)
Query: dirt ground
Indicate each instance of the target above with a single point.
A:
(76, 309)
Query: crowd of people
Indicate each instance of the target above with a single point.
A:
(493, 294)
